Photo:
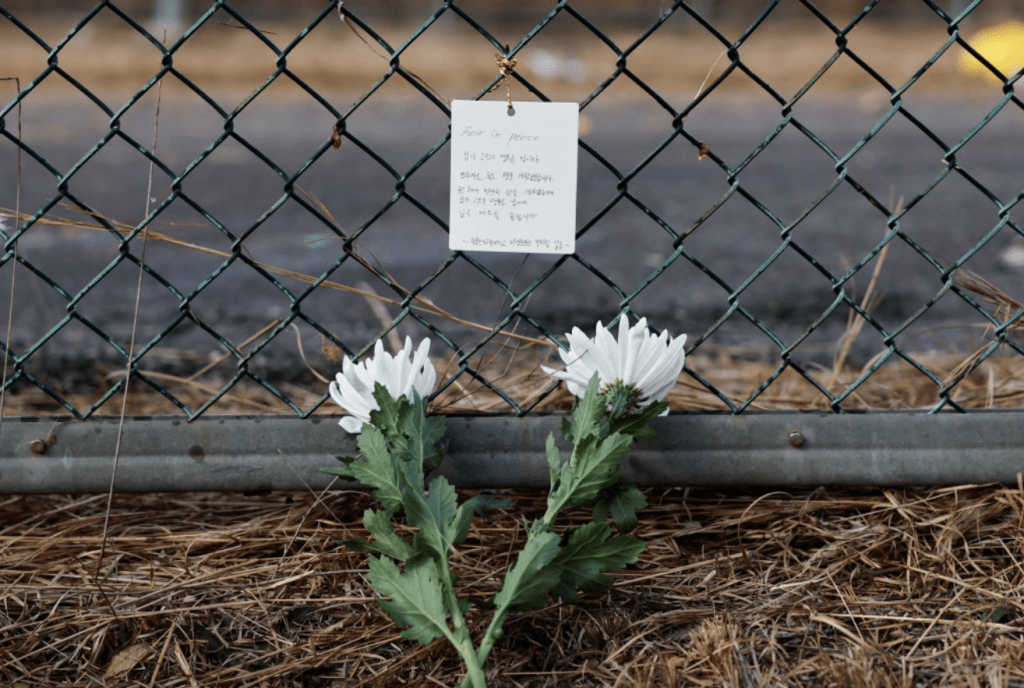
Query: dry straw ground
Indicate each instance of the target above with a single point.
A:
(853, 589)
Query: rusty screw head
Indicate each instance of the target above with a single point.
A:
(38, 446)
(796, 438)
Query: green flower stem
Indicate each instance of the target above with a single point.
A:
(557, 499)
(460, 630)
(501, 611)
(401, 445)
(463, 644)
(493, 633)
(474, 666)
(555, 505)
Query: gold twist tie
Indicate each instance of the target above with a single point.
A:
(506, 65)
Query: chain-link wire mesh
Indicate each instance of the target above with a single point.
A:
(828, 203)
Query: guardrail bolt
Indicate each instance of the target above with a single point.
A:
(796, 438)
(38, 446)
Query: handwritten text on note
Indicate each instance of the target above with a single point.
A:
(514, 177)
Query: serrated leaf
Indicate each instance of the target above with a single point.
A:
(359, 545)
(387, 417)
(416, 597)
(440, 520)
(451, 519)
(480, 503)
(386, 540)
(419, 435)
(410, 477)
(458, 530)
(587, 414)
(529, 579)
(554, 461)
(377, 470)
(340, 471)
(638, 424)
(595, 465)
(344, 471)
(621, 500)
(588, 553)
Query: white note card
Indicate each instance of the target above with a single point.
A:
(514, 177)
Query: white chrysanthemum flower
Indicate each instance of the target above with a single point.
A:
(352, 388)
(637, 358)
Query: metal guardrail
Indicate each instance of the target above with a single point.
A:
(752, 450)
(22, 356)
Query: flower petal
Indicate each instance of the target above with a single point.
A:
(355, 401)
(401, 370)
(352, 389)
(636, 357)
(665, 370)
(605, 355)
(352, 424)
(424, 376)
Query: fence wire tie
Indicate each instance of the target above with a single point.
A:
(506, 66)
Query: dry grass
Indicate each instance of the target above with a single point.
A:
(995, 383)
(874, 588)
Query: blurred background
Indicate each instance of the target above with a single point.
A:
(758, 250)
(407, 10)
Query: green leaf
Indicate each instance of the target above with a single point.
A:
(581, 563)
(386, 540)
(344, 471)
(996, 615)
(554, 461)
(638, 424)
(388, 416)
(595, 465)
(529, 579)
(621, 500)
(416, 597)
(418, 436)
(442, 522)
(458, 530)
(587, 414)
(596, 456)
(480, 503)
(410, 477)
(451, 519)
(359, 545)
(377, 470)
(341, 472)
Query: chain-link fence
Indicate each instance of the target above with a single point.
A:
(828, 204)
